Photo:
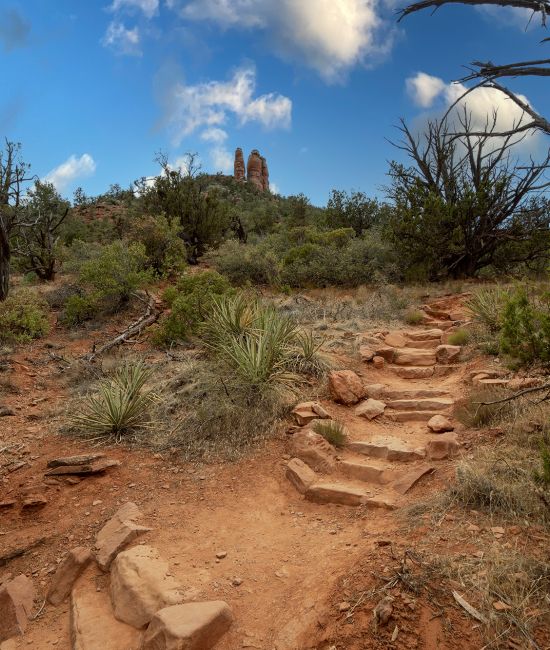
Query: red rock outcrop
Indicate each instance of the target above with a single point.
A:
(238, 167)
(254, 169)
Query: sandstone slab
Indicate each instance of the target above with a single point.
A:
(421, 404)
(370, 409)
(341, 493)
(448, 353)
(386, 352)
(376, 391)
(414, 357)
(424, 335)
(443, 447)
(413, 372)
(300, 475)
(408, 480)
(366, 353)
(67, 573)
(117, 533)
(93, 626)
(193, 626)
(345, 386)
(305, 412)
(387, 447)
(363, 472)
(395, 340)
(141, 585)
(314, 450)
(16, 602)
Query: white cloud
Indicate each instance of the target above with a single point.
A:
(63, 175)
(208, 105)
(122, 40)
(423, 88)
(214, 135)
(480, 104)
(327, 35)
(518, 17)
(148, 7)
(222, 160)
(274, 188)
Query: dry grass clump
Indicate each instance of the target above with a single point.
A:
(509, 589)
(413, 317)
(332, 431)
(476, 411)
(207, 415)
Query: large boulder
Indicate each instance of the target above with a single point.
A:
(370, 408)
(117, 533)
(68, 572)
(141, 585)
(314, 450)
(193, 626)
(345, 386)
(16, 601)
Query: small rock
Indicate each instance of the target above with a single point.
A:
(383, 611)
(314, 450)
(366, 353)
(300, 475)
(378, 362)
(499, 606)
(16, 601)
(6, 412)
(344, 607)
(345, 386)
(447, 353)
(221, 555)
(440, 424)
(119, 531)
(35, 501)
(237, 582)
(370, 408)
(68, 573)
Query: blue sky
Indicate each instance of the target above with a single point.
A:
(92, 89)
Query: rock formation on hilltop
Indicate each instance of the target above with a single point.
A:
(239, 171)
(257, 172)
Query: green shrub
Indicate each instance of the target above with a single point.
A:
(460, 337)
(23, 317)
(332, 431)
(165, 250)
(107, 279)
(245, 263)
(525, 333)
(190, 301)
(414, 317)
(120, 405)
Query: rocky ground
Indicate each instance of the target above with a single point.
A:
(333, 558)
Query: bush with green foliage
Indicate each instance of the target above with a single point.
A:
(525, 333)
(414, 317)
(486, 305)
(460, 337)
(108, 279)
(23, 317)
(245, 263)
(190, 302)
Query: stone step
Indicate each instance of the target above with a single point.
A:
(430, 404)
(412, 393)
(387, 447)
(424, 335)
(411, 416)
(348, 494)
(413, 372)
(362, 471)
(407, 480)
(493, 383)
(414, 357)
(429, 344)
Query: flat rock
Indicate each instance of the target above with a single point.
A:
(192, 626)
(384, 502)
(93, 626)
(345, 386)
(370, 408)
(376, 391)
(67, 573)
(409, 416)
(305, 412)
(387, 447)
(119, 531)
(423, 404)
(429, 344)
(16, 603)
(440, 424)
(448, 353)
(314, 450)
(347, 495)
(141, 585)
(366, 353)
(96, 467)
(413, 372)
(424, 335)
(414, 357)
(83, 459)
(6, 412)
(395, 340)
(444, 371)
(443, 447)
(363, 472)
(413, 393)
(408, 480)
(300, 475)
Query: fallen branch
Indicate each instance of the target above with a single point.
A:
(150, 316)
(533, 389)
(467, 607)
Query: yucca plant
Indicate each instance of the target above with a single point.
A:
(308, 358)
(487, 305)
(120, 405)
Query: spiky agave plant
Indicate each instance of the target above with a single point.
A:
(487, 305)
(120, 405)
(308, 358)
